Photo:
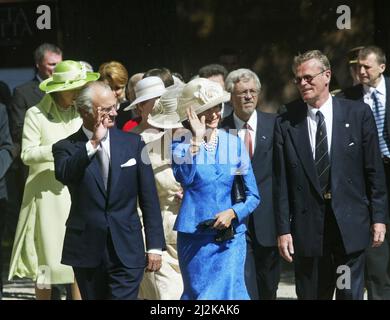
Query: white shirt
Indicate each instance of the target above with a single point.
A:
(381, 89)
(312, 122)
(252, 131)
(105, 142)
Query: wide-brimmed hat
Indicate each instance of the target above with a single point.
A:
(164, 114)
(202, 94)
(68, 75)
(146, 89)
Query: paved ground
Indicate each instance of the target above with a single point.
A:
(24, 289)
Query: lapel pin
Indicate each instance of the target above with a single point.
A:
(347, 125)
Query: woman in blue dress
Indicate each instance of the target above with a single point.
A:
(205, 163)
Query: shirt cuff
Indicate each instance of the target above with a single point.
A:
(90, 149)
(155, 251)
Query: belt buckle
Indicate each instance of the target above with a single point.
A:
(327, 196)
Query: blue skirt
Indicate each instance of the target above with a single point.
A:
(211, 270)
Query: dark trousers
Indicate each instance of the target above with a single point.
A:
(2, 228)
(262, 268)
(378, 261)
(111, 280)
(317, 278)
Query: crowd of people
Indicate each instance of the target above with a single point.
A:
(148, 187)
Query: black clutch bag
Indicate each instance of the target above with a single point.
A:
(238, 189)
(222, 235)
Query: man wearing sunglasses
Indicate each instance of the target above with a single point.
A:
(329, 185)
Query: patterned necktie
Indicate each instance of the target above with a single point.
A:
(104, 163)
(248, 140)
(322, 156)
(379, 115)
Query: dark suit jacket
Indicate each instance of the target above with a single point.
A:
(357, 93)
(263, 217)
(6, 150)
(93, 212)
(24, 97)
(357, 178)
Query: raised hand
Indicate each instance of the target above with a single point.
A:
(198, 126)
(100, 127)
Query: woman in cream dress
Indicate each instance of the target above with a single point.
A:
(165, 284)
(46, 202)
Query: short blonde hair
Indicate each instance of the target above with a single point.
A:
(308, 55)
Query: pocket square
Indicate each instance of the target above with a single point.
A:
(129, 163)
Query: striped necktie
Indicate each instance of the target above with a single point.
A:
(322, 161)
(379, 115)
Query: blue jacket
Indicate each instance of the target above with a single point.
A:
(207, 179)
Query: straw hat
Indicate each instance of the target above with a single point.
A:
(164, 114)
(68, 75)
(202, 94)
(146, 89)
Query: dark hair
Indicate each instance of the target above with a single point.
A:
(379, 53)
(163, 73)
(39, 52)
(212, 70)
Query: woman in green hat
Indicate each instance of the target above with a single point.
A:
(37, 248)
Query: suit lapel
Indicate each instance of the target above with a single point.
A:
(116, 152)
(387, 114)
(300, 137)
(261, 134)
(340, 135)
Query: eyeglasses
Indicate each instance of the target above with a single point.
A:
(250, 92)
(308, 78)
(109, 109)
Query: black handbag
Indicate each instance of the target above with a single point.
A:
(238, 189)
(222, 235)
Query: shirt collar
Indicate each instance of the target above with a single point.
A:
(381, 88)
(326, 109)
(89, 134)
(252, 121)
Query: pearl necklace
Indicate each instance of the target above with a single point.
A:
(212, 145)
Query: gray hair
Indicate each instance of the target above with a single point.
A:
(85, 97)
(241, 75)
(39, 52)
(308, 55)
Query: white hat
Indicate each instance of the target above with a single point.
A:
(164, 114)
(202, 94)
(146, 89)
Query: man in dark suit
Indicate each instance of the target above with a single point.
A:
(106, 170)
(329, 185)
(374, 90)
(256, 129)
(6, 155)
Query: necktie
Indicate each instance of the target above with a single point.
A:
(322, 156)
(379, 115)
(248, 140)
(104, 163)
